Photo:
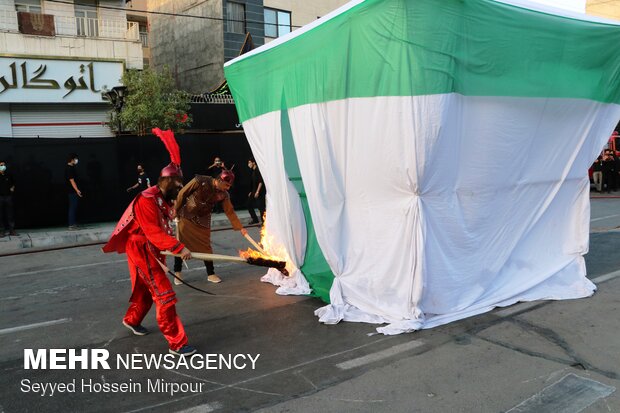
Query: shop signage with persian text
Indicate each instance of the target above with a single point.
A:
(26, 80)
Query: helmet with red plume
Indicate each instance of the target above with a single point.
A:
(171, 169)
(174, 167)
(227, 176)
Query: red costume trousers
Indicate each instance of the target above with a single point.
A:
(150, 284)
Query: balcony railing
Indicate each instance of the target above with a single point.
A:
(212, 98)
(80, 26)
(98, 28)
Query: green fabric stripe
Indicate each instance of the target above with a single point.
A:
(420, 47)
(315, 267)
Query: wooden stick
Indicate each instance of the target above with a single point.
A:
(176, 234)
(251, 240)
(209, 257)
(260, 262)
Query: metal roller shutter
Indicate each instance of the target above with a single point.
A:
(60, 120)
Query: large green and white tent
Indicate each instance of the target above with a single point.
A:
(426, 160)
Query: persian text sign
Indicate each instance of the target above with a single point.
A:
(25, 80)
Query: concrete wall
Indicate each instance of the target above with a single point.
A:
(16, 43)
(604, 8)
(192, 48)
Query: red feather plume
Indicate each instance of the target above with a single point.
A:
(167, 137)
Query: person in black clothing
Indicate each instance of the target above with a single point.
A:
(216, 168)
(73, 191)
(143, 181)
(256, 197)
(7, 188)
(609, 169)
(597, 174)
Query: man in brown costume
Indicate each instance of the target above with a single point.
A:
(194, 206)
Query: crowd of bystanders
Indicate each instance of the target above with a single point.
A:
(606, 172)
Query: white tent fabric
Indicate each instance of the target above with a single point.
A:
(445, 175)
(418, 237)
(287, 233)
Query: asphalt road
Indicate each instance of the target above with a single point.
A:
(545, 356)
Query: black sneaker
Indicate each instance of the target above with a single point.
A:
(186, 350)
(137, 330)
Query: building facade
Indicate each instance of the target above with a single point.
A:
(282, 16)
(56, 59)
(609, 9)
(136, 13)
(191, 47)
(195, 48)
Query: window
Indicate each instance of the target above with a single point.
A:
(235, 17)
(277, 22)
(86, 18)
(144, 36)
(30, 6)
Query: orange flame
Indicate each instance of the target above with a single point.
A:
(274, 251)
(250, 253)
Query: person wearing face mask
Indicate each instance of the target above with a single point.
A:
(143, 232)
(73, 191)
(194, 206)
(7, 188)
(143, 181)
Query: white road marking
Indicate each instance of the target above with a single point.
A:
(602, 218)
(300, 374)
(380, 355)
(72, 267)
(109, 341)
(203, 408)
(35, 325)
(606, 277)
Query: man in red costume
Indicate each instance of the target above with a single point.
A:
(143, 232)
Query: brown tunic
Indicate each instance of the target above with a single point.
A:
(194, 205)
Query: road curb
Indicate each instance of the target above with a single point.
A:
(42, 240)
